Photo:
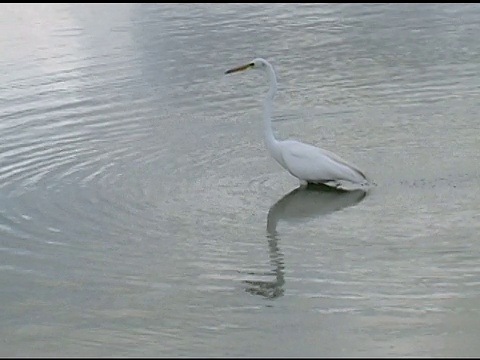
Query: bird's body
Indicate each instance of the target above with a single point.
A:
(308, 163)
(313, 165)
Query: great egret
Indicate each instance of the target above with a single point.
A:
(310, 164)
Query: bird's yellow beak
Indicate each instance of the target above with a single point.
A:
(240, 68)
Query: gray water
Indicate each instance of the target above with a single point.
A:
(141, 214)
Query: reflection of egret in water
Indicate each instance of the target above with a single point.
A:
(301, 204)
(309, 202)
(270, 289)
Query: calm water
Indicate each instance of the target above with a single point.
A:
(141, 215)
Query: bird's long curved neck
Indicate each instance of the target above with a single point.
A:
(267, 111)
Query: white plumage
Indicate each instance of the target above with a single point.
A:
(308, 163)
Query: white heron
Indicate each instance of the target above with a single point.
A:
(309, 164)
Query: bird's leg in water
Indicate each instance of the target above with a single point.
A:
(336, 185)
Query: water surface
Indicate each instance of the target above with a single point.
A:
(141, 214)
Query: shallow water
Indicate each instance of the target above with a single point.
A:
(142, 216)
